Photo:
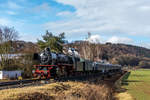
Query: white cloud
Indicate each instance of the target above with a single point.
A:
(116, 39)
(143, 44)
(95, 39)
(113, 17)
(41, 8)
(145, 8)
(65, 13)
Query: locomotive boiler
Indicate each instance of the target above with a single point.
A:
(46, 57)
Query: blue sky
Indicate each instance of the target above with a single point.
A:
(113, 21)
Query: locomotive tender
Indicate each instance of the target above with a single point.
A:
(59, 65)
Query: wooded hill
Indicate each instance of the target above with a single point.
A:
(123, 54)
(115, 53)
(24, 47)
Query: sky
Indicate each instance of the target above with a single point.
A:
(116, 21)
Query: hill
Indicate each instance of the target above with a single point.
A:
(84, 48)
(112, 50)
(24, 47)
(116, 53)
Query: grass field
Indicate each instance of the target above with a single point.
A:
(137, 84)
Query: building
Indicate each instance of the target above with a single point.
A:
(10, 56)
(10, 74)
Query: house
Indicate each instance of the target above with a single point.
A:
(10, 56)
(10, 74)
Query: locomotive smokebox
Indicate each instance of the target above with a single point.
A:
(45, 57)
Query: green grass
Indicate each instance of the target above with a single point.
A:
(137, 83)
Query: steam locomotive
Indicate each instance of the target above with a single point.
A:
(57, 65)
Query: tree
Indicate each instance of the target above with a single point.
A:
(144, 64)
(128, 60)
(7, 35)
(52, 41)
(27, 62)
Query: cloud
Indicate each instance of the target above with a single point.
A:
(41, 8)
(95, 39)
(116, 39)
(65, 13)
(143, 44)
(113, 17)
(144, 8)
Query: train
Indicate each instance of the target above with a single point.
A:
(57, 65)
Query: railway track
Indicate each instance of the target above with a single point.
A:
(19, 83)
(39, 82)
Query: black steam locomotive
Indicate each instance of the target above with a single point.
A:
(62, 65)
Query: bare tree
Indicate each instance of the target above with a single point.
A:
(7, 35)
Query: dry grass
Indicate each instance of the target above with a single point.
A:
(86, 92)
(59, 91)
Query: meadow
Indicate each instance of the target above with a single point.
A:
(137, 84)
